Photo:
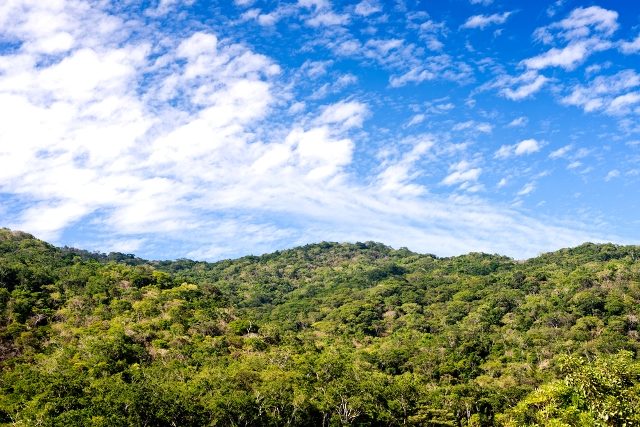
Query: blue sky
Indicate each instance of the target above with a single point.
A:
(210, 130)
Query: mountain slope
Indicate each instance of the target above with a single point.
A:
(324, 334)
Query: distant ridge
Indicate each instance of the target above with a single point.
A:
(586, 252)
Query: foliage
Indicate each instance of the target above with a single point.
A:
(325, 334)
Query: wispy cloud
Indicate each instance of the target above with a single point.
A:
(614, 173)
(527, 189)
(461, 173)
(585, 30)
(615, 94)
(630, 47)
(568, 57)
(517, 88)
(398, 176)
(368, 7)
(518, 122)
(482, 21)
(526, 146)
(560, 152)
(148, 134)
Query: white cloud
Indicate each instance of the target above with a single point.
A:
(585, 30)
(560, 152)
(434, 44)
(408, 61)
(97, 120)
(442, 108)
(415, 75)
(526, 146)
(335, 86)
(462, 172)
(614, 173)
(327, 19)
(397, 176)
(519, 87)
(48, 219)
(574, 164)
(482, 2)
(368, 7)
(504, 151)
(525, 90)
(347, 114)
(382, 47)
(166, 6)
(481, 127)
(484, 128)
(554, 7)
(267, 19)
(57, 43)
(189, 137)
(392, 53)
(431, 32)
(121, 245)
(315, 69)
(527, 189)
(482, 21)
(314, 4)
(316, 14)
(612, 94)
(630, 47)
(416, 120)
(435, 67)
(581, 22)
(348, 48)
(596, 68)
(318, 152)
(568, 57)
(620, 104)
(518, 122)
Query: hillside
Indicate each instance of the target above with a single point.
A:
(324, 334)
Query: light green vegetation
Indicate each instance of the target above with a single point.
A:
(325, 334)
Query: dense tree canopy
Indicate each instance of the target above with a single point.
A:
(324, 334)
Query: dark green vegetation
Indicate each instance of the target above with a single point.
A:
(325, 334)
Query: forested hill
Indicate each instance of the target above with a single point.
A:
(324, 334)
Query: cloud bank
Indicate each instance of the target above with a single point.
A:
(193, 141)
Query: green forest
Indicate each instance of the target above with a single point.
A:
(326, 334)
